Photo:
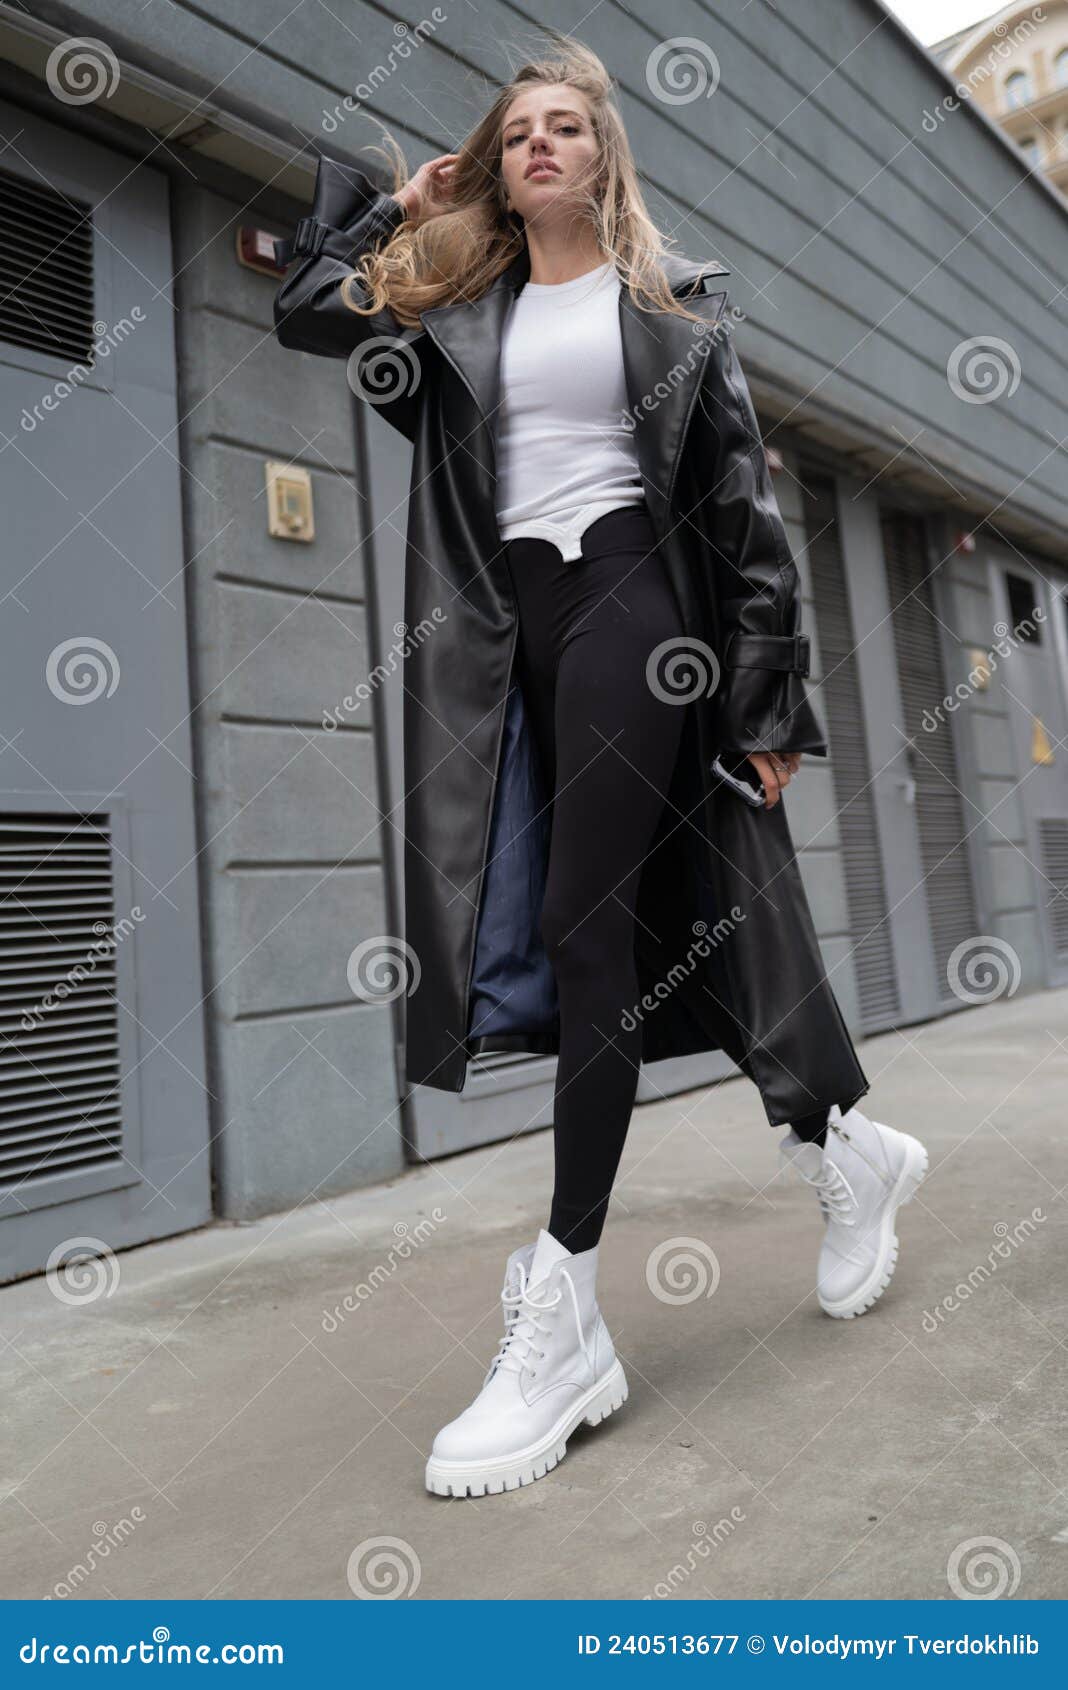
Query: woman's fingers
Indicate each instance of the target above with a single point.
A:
(776, 769)
(439, 181)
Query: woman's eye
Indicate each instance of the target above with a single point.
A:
(512, 139)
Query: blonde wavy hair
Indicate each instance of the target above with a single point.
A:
(458, 253)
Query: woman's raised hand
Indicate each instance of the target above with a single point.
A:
(427, 194)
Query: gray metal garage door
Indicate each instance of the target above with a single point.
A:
(103, 1107)
(851, 767)
(936, 794)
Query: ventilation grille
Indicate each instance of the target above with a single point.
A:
(46, 269)
(932, 758)
(1053, 837)
(59, 1040)
(880, 1004)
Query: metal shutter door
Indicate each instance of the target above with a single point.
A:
(1053, 836)
(840, 693)
(939, 807)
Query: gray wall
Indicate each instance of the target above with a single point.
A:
(304, 1074)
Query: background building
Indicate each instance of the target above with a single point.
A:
(170, 662)
(1014, 65)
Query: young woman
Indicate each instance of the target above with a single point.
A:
(589, 493)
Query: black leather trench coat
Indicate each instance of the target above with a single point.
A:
(726, 950)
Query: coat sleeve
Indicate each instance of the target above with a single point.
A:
(349, 216)
(762, 703)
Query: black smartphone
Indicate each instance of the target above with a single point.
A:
(739, 774)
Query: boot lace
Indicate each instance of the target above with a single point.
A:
(524, 1315)
(836, 1195)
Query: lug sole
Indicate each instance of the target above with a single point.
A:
(908, 1183)
(509, 1472)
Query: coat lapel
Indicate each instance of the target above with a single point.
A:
(469, 335)
(663, 359)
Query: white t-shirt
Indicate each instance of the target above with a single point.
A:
(564, 453)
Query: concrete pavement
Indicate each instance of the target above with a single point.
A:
(247, 1411)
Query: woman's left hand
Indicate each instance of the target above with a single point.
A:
(775, 769)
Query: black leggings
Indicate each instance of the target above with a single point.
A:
(607, 741)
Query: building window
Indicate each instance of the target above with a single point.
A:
(1060, 68)
(1018, 90)
(1022, 609)
(1029, 147)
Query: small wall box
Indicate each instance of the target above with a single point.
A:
(289, 502)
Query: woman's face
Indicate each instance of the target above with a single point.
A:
(549, 153)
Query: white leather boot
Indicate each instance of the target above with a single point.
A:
(554, 1368)
(863, 1174)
